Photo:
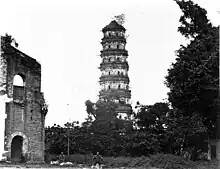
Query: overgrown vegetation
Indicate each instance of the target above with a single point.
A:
(165, 161)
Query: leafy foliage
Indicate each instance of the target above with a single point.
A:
(120, 19)
(194, 78)
(8, 40)
(194, 20)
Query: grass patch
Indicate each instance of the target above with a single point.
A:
(162, 161)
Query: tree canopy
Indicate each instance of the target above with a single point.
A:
(194, 78)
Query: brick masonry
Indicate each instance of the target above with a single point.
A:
(24, 116)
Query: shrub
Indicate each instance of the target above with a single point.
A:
(79, 159)
(50, 157)
(169, 161)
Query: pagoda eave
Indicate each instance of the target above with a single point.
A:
(113, 39)
(108, 52)
(114, 78)
(113, 65)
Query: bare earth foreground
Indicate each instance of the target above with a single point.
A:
(12, 167)
(198, 165)
(67, 168)
(60, 167)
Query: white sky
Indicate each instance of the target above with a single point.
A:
(65, 35)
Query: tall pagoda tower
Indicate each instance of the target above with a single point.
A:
(114, 80)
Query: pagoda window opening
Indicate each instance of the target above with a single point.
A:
(118, 72)
(109, 73)
(121, 46)
(109, 87)
(119, 86)
(109, 59)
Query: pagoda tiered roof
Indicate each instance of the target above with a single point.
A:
(114, 25)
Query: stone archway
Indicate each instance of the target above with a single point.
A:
(16, 148)
(17, 144)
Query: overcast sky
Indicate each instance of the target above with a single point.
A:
(65, 35)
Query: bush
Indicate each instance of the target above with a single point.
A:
(80, 159)
(169, 161)
(50, 157)
(213, 164)
(116, 162)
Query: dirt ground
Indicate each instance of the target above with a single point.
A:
(56, 167)
(64, 168)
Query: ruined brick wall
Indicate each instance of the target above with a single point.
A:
(24, 115)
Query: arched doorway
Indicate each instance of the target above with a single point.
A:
(16, 148)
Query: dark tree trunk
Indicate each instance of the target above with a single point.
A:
(218, 131)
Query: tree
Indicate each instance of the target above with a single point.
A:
(102, 115)
(195, 71)
(152, 120)
(9, 40)
(152, 116)
(194, 78)
(194, 20)
(54, 139)
(120, 19)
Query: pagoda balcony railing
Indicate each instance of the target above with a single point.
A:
(124, 78)
(114, 61)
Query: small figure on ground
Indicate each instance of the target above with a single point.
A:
(97, 159)
(61, 157)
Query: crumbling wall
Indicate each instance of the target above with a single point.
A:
(24, 115)
(3, 99)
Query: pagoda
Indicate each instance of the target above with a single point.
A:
(114, 80)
